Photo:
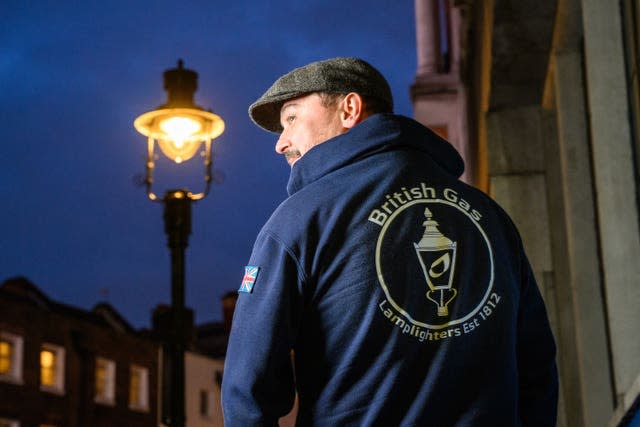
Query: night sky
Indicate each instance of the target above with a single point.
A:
(73, 77)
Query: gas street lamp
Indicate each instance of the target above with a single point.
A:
(180, 128)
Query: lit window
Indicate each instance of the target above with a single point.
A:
(105, 381)
(10, 358)
(6, 353)
(139, 388)
(4, 422)
(52, 368)
(206, 403)
(47, 367)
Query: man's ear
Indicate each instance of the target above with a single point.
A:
(351, 110)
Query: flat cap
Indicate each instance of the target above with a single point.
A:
(337, 75)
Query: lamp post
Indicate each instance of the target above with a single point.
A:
(180, 128)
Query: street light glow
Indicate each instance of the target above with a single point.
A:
(179, 129)
(178, 143)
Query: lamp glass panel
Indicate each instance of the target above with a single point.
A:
(181, 153)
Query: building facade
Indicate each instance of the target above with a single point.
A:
(65, 367)
(553, 108)
(61, 366)
(203, 378)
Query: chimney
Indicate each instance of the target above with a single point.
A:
(228, 306)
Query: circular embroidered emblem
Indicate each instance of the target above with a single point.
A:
(434, 263)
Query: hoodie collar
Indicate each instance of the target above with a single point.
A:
(380, 132)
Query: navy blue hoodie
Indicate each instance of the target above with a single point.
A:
(405, 295)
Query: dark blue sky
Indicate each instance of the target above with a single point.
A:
(73, 77)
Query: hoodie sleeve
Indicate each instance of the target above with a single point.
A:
(258, 385)
(537, 372)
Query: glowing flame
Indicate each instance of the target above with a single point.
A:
(178, 144)
(179, 129)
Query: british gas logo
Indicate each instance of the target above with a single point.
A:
(434, 263)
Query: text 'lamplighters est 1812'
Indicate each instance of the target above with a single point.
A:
(180, 128)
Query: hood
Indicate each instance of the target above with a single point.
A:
(378, 133)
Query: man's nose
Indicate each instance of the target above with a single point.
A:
(283, 144)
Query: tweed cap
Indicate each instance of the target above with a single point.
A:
(337, 75)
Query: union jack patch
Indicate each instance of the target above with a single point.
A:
(249, 279)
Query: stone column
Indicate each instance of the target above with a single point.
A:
(517, 181)
(456, 26)
(584, 359)
(615, 184)
(427, 36)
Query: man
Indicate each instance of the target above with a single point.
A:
(404, 294)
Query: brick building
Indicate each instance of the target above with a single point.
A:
(62, 366)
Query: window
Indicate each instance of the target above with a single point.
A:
(6, 353)
(52, 368)
(138, 388)
(4, 422)
(105, 377)
(10, 358)
(206, 403)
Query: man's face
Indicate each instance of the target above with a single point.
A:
(306, 123)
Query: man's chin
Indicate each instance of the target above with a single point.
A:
(292, 159)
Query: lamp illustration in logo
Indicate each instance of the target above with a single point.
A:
(437, 256)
